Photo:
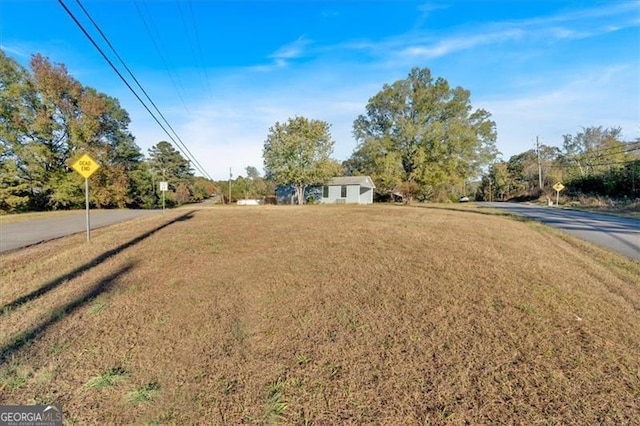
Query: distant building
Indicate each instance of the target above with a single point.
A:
(348, 190)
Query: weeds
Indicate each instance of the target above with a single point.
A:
(276, 404)
(497, 304)
(98, 306)
(526, 307)
(108, 378)
(303, 359)
(15, 376)
(56, 348)
(144, 394)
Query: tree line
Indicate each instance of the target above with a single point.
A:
(48, 119)
(419, 139)
(594, 162)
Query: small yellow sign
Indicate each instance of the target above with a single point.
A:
(558, 187)
(86, 166)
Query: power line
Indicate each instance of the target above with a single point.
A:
(624, 145)
(124, 80)
(149, 27)
(613, 163)
(199, 46)
(587, 155)
(200, 168)
(619, 150)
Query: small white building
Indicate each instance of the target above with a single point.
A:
(348, 190)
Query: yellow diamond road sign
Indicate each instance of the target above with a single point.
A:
(558, 187)
(85, 166)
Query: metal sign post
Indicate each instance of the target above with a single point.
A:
(86, 194)
(558, 187)
(164, 187)
(86, 166)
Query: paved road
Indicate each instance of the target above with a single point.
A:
(621, 235)
(25, 233)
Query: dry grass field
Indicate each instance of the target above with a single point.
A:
(323, 315)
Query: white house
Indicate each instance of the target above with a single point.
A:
(348, 190)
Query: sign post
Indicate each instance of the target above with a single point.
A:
(86, 166)
(164, 187)
(558, 187)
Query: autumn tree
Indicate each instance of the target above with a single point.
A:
(298, 153)
(424, 133)
(47, 119)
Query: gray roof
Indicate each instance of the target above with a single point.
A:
(364, 181)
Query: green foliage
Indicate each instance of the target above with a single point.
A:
(167, 164)
(14, 191)
(47, 119)
(15, 376)
(144, 394)
(298, 153)
(420, 136)
(276, 403)
(141, 188)
(593, 162)
(108, 378)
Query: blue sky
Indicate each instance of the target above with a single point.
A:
(223, 72)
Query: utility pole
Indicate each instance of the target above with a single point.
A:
(539, 164)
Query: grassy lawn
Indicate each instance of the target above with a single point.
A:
(323, 315)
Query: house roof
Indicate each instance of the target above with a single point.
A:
(364, 181)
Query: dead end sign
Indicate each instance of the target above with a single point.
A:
(85, 165)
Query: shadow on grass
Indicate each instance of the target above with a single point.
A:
(29, 335)
(4, 310)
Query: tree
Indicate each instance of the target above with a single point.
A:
(598, 161)
(298, 153)
(46, 119)
(252, 172)
(255, 185)
(594, 151)
(202, 188)
(426, 132)
(376, 158)
(524, 170)
(167, 163)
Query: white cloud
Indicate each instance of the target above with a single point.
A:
(14, 51)
(457, 43)
(292, 50)
(230, 130)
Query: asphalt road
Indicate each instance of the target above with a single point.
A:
(25, 233)
(621, 235)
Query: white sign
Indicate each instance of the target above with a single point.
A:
(164, 186)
